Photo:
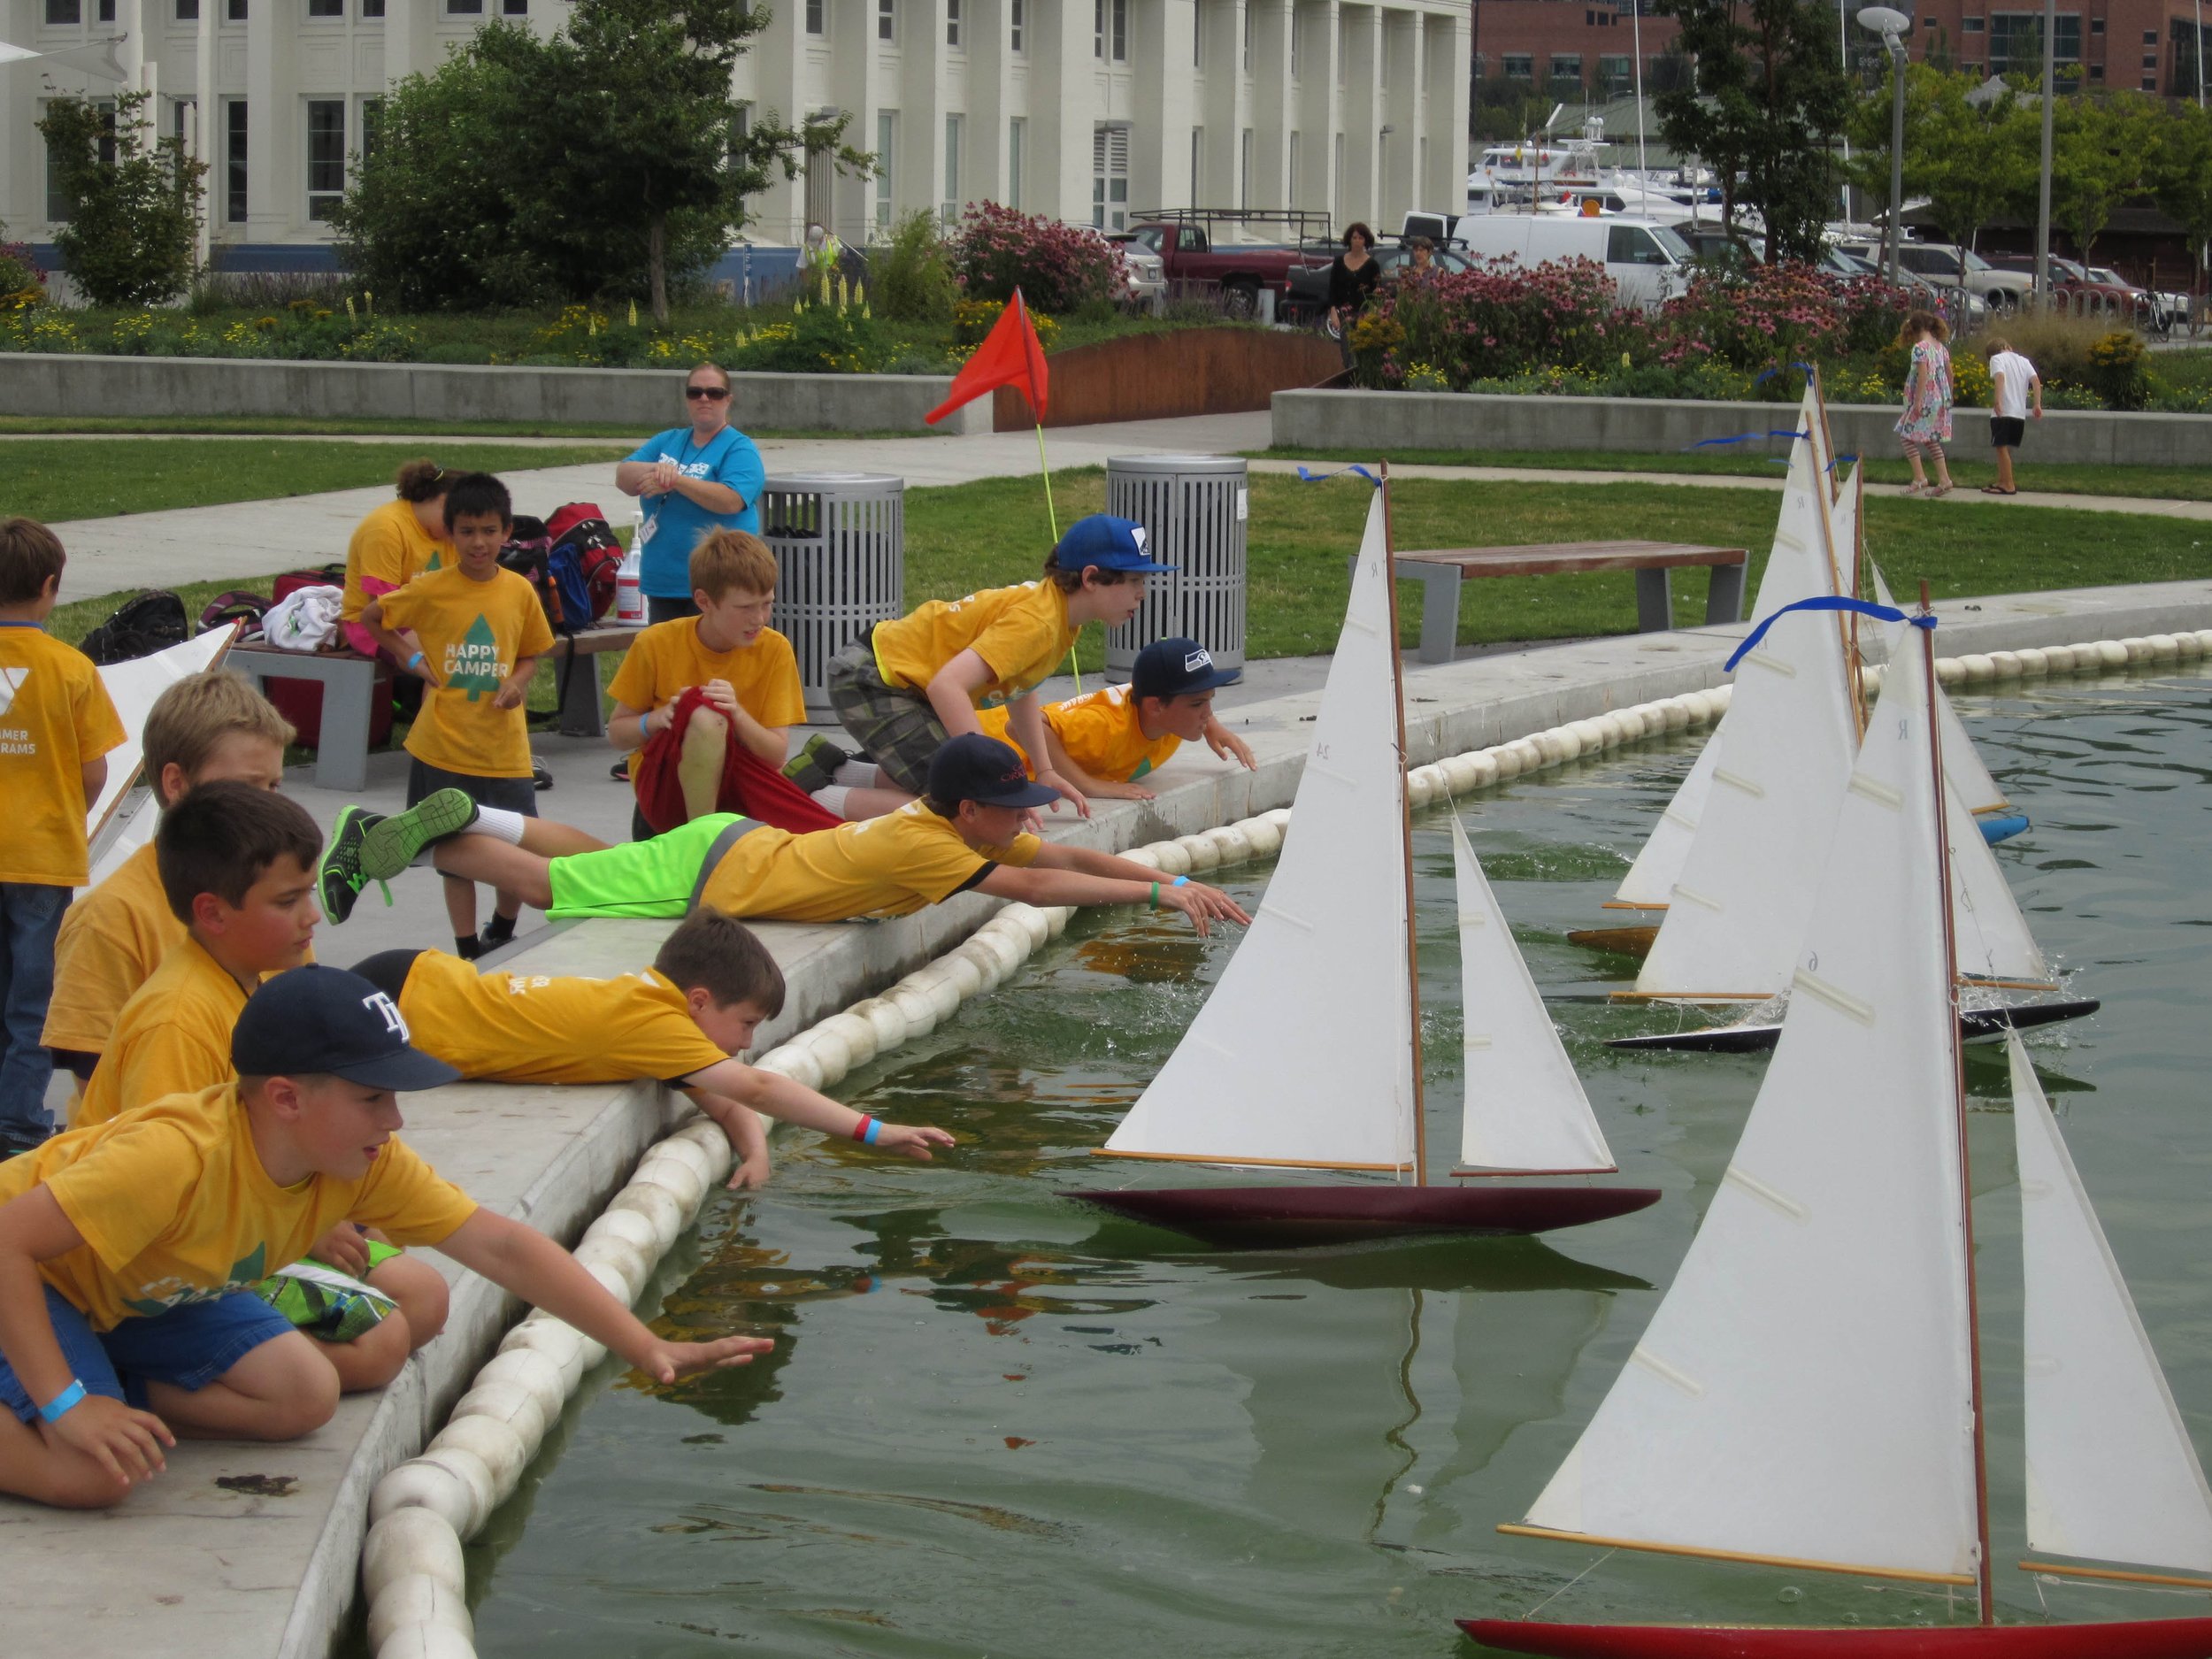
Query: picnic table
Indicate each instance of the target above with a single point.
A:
(1442, 570)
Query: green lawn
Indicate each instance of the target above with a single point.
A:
(279, 425)
(1968, 468)
(62, 479)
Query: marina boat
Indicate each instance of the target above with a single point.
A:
(1307, 1053)
(1810, 1394)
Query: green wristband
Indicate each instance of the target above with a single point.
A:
(1155, 896)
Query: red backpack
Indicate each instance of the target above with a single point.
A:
(583, 540)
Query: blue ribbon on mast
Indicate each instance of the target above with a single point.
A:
(1829, 601)
(1306, 476)
(1742, 437)
(1768, 374)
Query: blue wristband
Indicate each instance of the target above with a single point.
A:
(875, 1128)
(416, 657)
(1181, 882)
(55, 1408)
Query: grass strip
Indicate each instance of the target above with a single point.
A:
(280, 425)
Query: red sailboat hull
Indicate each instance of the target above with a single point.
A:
(1285, 1217)
(2146, 1638)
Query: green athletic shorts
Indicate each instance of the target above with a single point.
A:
(660, 877)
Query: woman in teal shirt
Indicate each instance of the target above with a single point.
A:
(694, 479)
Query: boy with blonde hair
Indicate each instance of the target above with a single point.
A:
(705, 703)
(56, 726)
(683, 1021)
(124, 1249)
(209, 727)
(482, 630)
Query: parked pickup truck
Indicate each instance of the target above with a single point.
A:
(1198, 245)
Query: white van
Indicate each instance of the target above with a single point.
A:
(1648, 262)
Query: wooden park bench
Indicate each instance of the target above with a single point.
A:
(1442, 570)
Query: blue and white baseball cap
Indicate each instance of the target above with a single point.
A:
(1176, 668)
(1110, 544)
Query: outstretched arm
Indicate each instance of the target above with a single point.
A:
(779, 1096)
(1098, 789)
(952, 691)
(1225, 743)
(1057, 883)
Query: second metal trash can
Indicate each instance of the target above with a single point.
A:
(840, 541)
(1195, 508)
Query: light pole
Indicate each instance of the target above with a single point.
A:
(1891, 26)
(2043, 184)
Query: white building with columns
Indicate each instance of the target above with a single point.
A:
(1085, 110)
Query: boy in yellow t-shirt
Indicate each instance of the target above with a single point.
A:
(682, 1022)
(966, 832)
(706, 683)
(126, 1249)
(482, 630)
(1104, 740)
(56, 726)
(908, 684)
(236, 868)
(209, 728)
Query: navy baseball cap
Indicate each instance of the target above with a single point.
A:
(1110, 544)
(982, 769)
(1176, 668)
(318, 1019)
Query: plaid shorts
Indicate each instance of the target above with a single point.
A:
(897, 728)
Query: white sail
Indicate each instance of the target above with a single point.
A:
(2111, 1473)
(1738, 909)
(1525, 1108)
(133, 686)
(1797, 565)
(1302, 1054)
(1962, 765)
(1804, 1391)
(1993, 937)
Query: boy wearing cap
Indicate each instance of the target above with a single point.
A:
(680, 1021)
(1104, 740)
(126, 1249)
(965, 832)
(906, 687)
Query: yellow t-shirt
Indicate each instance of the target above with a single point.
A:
(172, 1037)
(55, 715)
(390, 545)
(669, 656)
(1021, 633)
(533, 1028)
(175, 1207)
(1100, 732)
(111, 940)
(473, 634)
(880, 866)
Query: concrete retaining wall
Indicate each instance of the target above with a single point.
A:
(33, 383)
(1380, 423)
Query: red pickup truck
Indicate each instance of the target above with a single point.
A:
(1207, 246)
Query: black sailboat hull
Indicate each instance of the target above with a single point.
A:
(1288, 1217)
(1978, 1024)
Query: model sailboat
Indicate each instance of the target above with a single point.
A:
(1307, 1053)
(1809, 1394)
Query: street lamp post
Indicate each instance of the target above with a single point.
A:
(2043, 184)
(1891, 26)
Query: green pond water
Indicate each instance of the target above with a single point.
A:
(998, 1422)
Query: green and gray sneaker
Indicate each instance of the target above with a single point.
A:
(390, 844)
(815, 765)
(338, 878)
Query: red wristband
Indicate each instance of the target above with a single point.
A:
(860, 1129)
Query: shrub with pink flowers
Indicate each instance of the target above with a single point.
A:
(1768, 317)
(1494, 318)
(1059, 268)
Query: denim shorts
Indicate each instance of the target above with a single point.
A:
(188, 1347)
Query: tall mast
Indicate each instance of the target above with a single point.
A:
(1958, 1098)
(1858, 565)
(1824, 492)
(1405, 825)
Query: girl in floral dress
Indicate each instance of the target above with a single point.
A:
(1925, 425)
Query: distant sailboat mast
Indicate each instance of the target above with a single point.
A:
(1405, 835)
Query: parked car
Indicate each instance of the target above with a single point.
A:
(1710, 243)
(1946, 264)
(1648, 263)
(1145, 289)
(2077, 289)
(1962, 308)
(2164, 309)
(1203, 245)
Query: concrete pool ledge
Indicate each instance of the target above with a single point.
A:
(189, 1566)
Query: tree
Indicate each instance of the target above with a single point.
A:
(134, 205)
(2181, 175)
(1974, 161)
(1762, 110)
(2102, 152)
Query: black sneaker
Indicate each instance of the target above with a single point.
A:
(541, 775)
(391, 844)
(815, 765)
(620, 771)
(338, 878)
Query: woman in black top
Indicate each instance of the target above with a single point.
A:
(1353, 275)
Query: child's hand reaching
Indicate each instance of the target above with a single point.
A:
(910, 1140)
(750, 1173)
(665, 1362)
(126, 1443)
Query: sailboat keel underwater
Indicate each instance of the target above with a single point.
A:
(1307, 1053)
(1810, 1394)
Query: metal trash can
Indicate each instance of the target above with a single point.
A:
(1195, 508)
(840, 541)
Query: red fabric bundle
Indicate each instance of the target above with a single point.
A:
(749, 784)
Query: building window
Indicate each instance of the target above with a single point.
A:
(2096, 72)
(1109, 178)
(234, 10)
(62, 13)
(188, 11)
(2150, 37)
(56, 203)
(2017, 37)
(514, 8)
(1970, 25)
(1244, 169)
(1016, 154)
(887, 147)
(818, 17)
(1293, 44)
(1119, 45)
(107, 11)
(371, 8)
(1566, 65)
(1615, 72)
(1017, 25)
(2150, 60)
(1293, 165)
(326, 156)
(235, 162)
(2150, 83)
(2096, 26)
(886, 20)
(464, 8)
(1098, 28)
(956, 126)
(1518, 65)
(952, 22)
(326, 8)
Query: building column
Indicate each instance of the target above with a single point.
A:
(1063, 108)
(1398, 181)
(1365, 114)
(1272, 106)
(276, 198)
(1320, 112)
(985, 35)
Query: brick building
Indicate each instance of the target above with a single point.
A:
(1566, 48)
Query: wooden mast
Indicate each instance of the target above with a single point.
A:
(1824, 492)
(1984, 1588)
(1405, 827)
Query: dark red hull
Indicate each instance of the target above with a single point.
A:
(2147, 1638)
(1286, 1218)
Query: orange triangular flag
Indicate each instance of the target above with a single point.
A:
(1010, 355)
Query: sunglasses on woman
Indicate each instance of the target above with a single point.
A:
(716, 393)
